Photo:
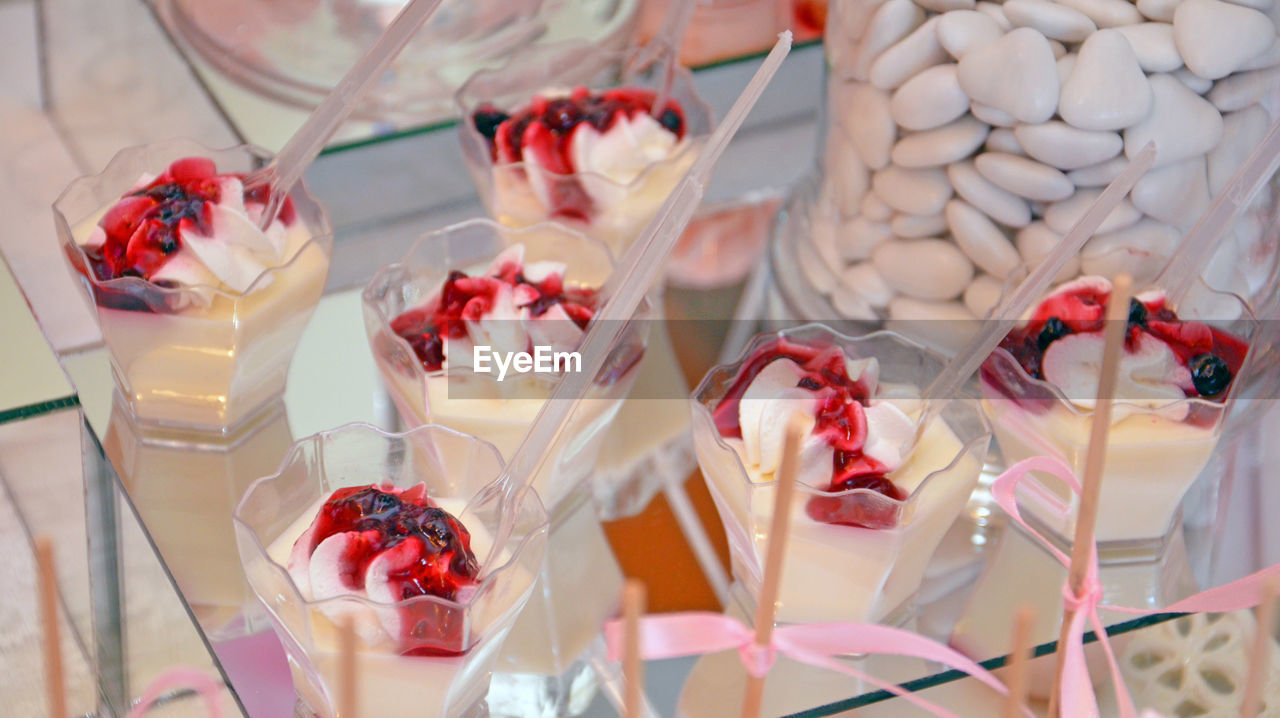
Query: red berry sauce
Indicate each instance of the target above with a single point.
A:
(841, 421)
(466, 298)
(545, 128)
(144, 228)
(1211, 355)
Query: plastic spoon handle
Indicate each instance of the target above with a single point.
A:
(669, 36)
(301, 149)
(1197, 247)
(1003, 318)
(636, 272)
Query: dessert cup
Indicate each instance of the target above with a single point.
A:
(617, 210)
(478, 403)
(441, 665)
(836, 572)
(196, 357)
(185, 494)
(1154, 451)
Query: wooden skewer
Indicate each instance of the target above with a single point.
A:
(348, 703)
(1260, 656)
(767, 609)
(48, 589)
(633, 607)
(1019, 658)
(1087, 517)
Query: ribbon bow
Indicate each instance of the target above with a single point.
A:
(1075, 689)
(817, 644)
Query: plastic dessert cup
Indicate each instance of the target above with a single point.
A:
(200, 358)
(478, 403)
(439, 661)
(611, 207)
(1154, 454)
(841, 572)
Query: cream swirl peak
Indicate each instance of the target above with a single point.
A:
(190, 226)
(512, 307)
(855, 439)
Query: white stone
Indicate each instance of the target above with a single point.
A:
(1066, 64)
(1269, 58)
(991, 115)
(818, 272)
(1181, 123)
(941, 146)
(1066, 147)
(874, 208)
(908, 56)
(998, 204)
(923, 268)
(1158, 10)
(1016, 74)
(1107, 90)
(847, 175)
(822, 232)
(996, 13)
(1107, 13)
(1002, 139)
(1215, 38)
(912, 191)
(1024, 176)
(980, 239)
(930, 99)
(893, 21)
(965, 30)
(1098, 175)
(1052, 19)
(942, 326)
(909, 309)
(1153, 45)
(1263, 5)
(912, 226)
(983, 294)
(863, 279)
(850, 305)
(1194, 82)
(1140, 250)
(1242, 131)
(1176, 194)
(1243, 89)
(1036, 241)
(1059, 50)
(864, 114)
(946, 5)
(1062, 216)
(859, 236)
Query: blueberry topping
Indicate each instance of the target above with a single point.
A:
(670, 119)
(487, 120)
(1137, 313)
(1052, 330)
(809, 383)
(1209, 374)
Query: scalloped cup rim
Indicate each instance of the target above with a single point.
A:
(760, 340)
(487, 575)
(317, 237)
(467, 131)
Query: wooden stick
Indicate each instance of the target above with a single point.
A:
(1260, 656)
(767, 609)
(348, 703)
(1019, 658)
(1087, 517)
(55, 688)
(633, 607)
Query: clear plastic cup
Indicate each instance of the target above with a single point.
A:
(1154, 454)
(478, 403)
(835, 572)
(441, 666)
(199, 358)
(617, 210)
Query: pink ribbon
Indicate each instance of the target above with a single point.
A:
(696, 633)
(1076, 690)
(174, 679)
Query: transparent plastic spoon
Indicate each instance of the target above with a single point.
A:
(1193, 253)
(666, 45)
(284, 171)
(636, 272)
(1010, 311)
